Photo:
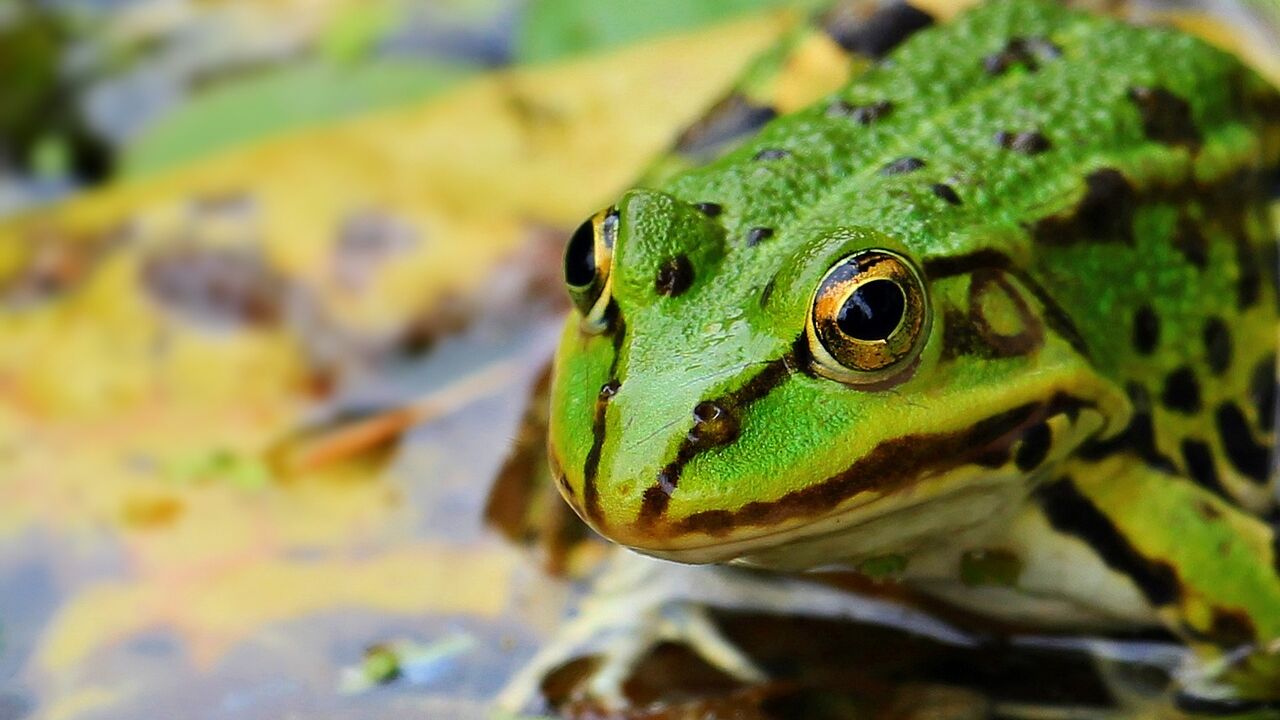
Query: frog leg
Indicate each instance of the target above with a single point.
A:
(638, 602)
(630, 610)
(1207, 569)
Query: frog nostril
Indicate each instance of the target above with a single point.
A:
(713, 425)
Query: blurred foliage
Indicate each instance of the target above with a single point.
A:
(131, 425)
(39, 116)
(278, 100)
(557, 28)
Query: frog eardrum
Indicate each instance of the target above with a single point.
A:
(869, 318)
(588, 260)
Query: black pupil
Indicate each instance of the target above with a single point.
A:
(873, 311)
(580, 256)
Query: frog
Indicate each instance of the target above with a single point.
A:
(1007, 298)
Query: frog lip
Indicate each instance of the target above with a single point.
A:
(751, 549)
(985, 446)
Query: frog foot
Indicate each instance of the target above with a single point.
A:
(621, 637)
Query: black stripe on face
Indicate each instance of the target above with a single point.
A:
(591, 466)
(952, 265)
(716, 423)
(890, 466)
(877, 35)
(1055, 317)
(1071, 513)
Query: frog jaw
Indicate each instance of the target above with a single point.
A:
(939, 510)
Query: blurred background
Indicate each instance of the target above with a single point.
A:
(276, 277)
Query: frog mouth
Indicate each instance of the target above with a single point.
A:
(895, 466)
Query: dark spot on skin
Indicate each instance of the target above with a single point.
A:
(1207, 510)
(1104, 213)
(1190, 241)
(730, 121)
(902, 165)
(1217, 345)
(990, 566)
(709, 209)
(1028, 52)
(713, 426)
(1262, 391)
(768, 291)
(1069, 511)
(1138, 438)
(771, 154)
(1181, 391)
(1232, 628)
(1034, 448)
(1146, 330)
(1166, 118)
(674, 276)
(1247, 456)
(946, 192)
(757, 235)
(1197, 456)
(1031, 142)
(877, 35)
(861, 114)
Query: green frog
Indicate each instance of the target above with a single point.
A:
(997, 319)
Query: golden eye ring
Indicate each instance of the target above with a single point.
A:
(869, 318)
(588, 264)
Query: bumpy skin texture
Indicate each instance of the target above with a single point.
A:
(1087, 204)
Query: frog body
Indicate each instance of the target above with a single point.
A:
(1008, 294)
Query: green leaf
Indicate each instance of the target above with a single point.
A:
(555, 28)
(279, 100)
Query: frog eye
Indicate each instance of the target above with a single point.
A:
(588, 259)
(869, 318)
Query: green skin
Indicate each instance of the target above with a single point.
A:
(1083, 435)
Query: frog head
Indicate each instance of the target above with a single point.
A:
(788, 397)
